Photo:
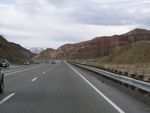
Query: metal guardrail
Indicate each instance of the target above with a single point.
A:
(127, 80)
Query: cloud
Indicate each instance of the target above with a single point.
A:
(51, 23)
(113, 13)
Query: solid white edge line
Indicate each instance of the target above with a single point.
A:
(98, 91)
(34, 79)
(6, 98)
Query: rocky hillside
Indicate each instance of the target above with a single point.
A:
(99, 46)
(133, 59)
(13, 52)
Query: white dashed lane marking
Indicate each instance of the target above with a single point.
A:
(44, 73)
(34, 79)
(6, 98)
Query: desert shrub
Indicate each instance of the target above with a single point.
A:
(120, 72)
(133, 75)
(126, 73)
(140, 77)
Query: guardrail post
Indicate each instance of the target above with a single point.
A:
(132, 87)
(126, 85)
(142, 91)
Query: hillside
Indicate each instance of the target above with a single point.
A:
(133, 59)
(99, 46)
(132, 54)
(45, 55)
(13, 52)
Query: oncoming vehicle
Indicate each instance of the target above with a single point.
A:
(1, 81)
(4, 63)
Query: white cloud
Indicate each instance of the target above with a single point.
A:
(50, 23)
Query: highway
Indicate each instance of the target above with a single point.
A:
(64, 88)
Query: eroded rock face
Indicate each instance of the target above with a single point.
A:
(100, 46)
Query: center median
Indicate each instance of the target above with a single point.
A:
(22, 70)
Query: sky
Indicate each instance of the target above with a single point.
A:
(52, 23)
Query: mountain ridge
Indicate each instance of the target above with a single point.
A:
(99, 46)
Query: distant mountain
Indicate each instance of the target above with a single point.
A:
(13, 52)
(36, 50)
(99, 46)
(49, 53)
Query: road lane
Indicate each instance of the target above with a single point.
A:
(60, 90)
(98, 91)
(129, 100)
(20, 80)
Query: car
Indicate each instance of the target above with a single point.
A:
(1, 81)
(4, 63)
(27, 63)
(37, 62)
(53, 62)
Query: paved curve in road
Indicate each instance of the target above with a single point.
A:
(62, 88)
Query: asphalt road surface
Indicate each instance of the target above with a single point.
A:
(63, 88)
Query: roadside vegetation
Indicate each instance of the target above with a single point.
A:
(132, 60)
